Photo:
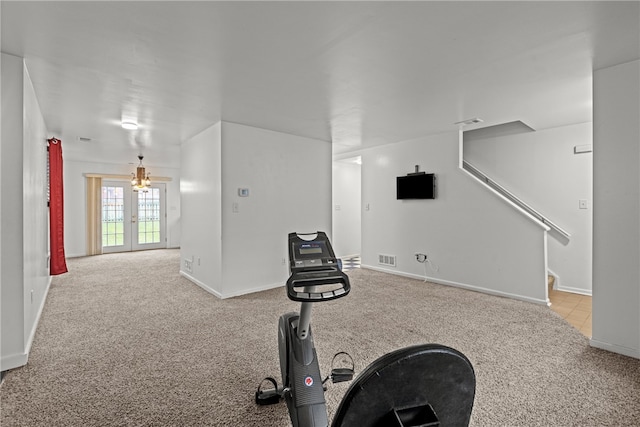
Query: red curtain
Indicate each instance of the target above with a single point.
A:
(56, 208)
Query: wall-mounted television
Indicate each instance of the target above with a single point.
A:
(416, 186)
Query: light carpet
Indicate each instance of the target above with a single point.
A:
(124, 340)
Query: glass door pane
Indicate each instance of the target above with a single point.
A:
(150, 218)
(115, 212)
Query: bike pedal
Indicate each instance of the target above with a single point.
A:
(342, 374)
(339, 375)
(268, 397)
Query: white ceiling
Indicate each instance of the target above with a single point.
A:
(357, 74)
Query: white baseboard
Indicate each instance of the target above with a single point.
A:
(231, 294)
(35, 324)
(558, 286)
(459, 285)
(252, 290)
(69, 256)
(13, 361)
(574, 290)
(625, 351)
(16, 360)
(199, 283)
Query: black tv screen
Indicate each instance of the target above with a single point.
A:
(416, 186)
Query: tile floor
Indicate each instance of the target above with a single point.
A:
(574, 308)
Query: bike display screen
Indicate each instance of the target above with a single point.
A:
(313, 252)
(308, 249)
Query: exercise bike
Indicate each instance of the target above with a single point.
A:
(316, 276)
(422, 385)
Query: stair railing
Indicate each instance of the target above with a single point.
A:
(513, 198)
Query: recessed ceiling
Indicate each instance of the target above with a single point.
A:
(357, 74)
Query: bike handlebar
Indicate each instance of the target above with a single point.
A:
(309, 281)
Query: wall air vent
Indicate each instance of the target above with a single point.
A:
(389, 260)
(188, 266)
(473, 121)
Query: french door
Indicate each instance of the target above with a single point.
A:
(132, 220)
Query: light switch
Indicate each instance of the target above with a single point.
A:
(236, 207)
(583, 204)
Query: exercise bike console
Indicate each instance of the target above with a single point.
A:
(315, 271)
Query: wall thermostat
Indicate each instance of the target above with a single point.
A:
(243, 192)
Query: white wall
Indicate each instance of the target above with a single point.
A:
(24, 276)
(289, 179)
(36, 211)
(2, 107)
(475, 240)
(542, 169)
(200, 195)
(238, 245)
(12, 280)
(347, 210)
(616, 209)
(75, 194)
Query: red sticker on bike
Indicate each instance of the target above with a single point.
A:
(308, 381)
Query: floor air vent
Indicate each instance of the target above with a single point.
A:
(389, 260)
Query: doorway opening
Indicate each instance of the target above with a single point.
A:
(347, 210)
